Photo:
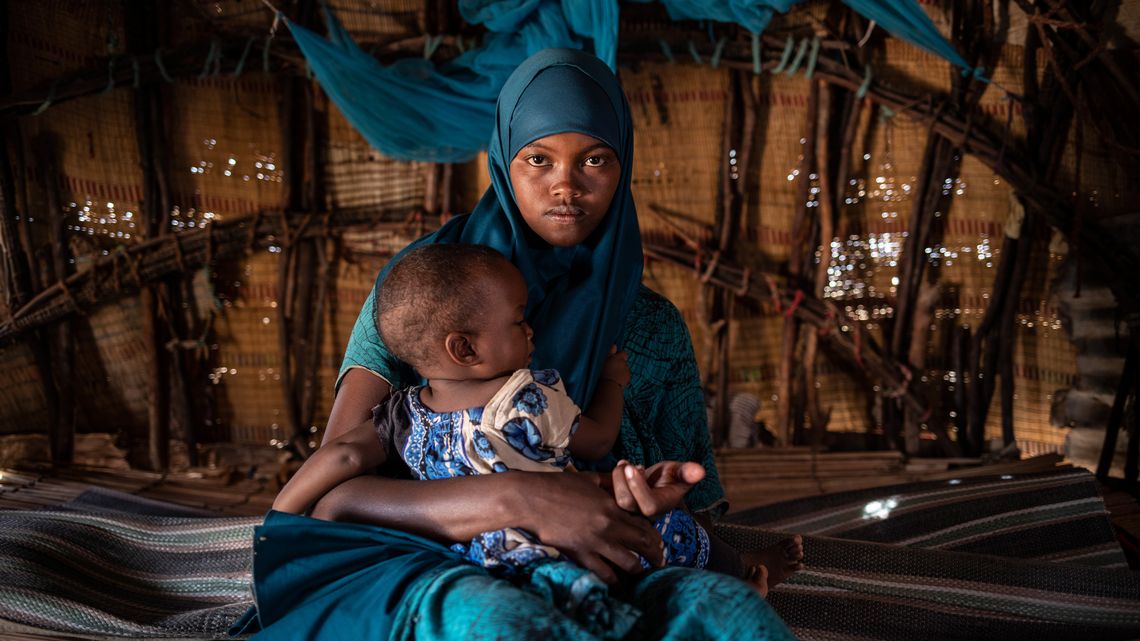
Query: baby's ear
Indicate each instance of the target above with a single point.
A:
(461, 349)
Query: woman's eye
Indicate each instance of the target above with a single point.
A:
(536, 160)
(595, 161)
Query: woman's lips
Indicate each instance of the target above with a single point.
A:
(565, 214)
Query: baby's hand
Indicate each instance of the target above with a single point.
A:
(616, 368)
(654, 491)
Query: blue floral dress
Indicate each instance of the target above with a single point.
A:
(525, 426)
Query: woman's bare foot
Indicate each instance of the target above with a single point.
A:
(778, 562)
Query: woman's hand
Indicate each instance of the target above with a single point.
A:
(573, 513)
(654, 491)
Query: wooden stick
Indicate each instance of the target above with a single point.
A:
(21, 278)
(797, 258)
(144, 29)
(726, 222)
(184, 62)
(312, 361)
(837, 333)
(828, 208)
(62, 350)
(1116, 414)
(111, 277)
(1008, 332)
(960, 348)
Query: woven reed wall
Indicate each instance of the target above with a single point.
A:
(219, 125)
(225, 150)
(887, 154)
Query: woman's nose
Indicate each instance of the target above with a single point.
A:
(566, 184)
(529, 331)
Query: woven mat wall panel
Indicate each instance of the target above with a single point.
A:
(197, 18)
(377, 21)
(226, 148)
(248, 364)
(247, 370)
(1108, 185)
(112, 374)
(369, 21)
(357, 175)
(23, 407)
(872, 230)
(680, 285)
(353, 284)
(53, 37)
(94, 145)
(678, 116)
(772, 196)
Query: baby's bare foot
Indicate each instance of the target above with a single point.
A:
(780, 560)
(757, 575)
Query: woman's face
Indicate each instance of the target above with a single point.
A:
(563, 186)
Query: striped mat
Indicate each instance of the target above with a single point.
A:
(1006, 557)
(97, 569)
(1057, 516)
(111, 573)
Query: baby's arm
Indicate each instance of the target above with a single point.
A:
(598, 429)
(352, 454)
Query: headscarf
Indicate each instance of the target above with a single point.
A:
(578, 297)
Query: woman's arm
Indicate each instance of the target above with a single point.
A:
(354, 453)
(567, 511)
(360, 391)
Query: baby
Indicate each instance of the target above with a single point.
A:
(455, 313)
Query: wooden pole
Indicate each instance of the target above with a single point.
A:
(22, 279)
(62, 434)
(299, 323)
(829, 117)
(144, 27)
(802, 241)
(729, 205)
(1116, 416)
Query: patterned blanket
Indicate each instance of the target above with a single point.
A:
(990, 558)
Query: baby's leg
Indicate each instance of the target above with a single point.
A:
(779, 561)
(687, 544)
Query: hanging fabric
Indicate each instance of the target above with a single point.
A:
(416, 110)
(904, 19)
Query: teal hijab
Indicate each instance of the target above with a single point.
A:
(578, 297)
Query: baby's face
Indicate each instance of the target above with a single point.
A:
(505, 340)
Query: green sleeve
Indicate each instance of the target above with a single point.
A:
(686, 417)
(367, 350)
(665, 416)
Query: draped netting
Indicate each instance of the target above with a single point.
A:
(417, 110)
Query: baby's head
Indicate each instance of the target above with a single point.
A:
(455, 310)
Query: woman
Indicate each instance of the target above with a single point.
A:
(561, 210)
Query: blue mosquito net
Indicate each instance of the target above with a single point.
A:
(417, 110)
